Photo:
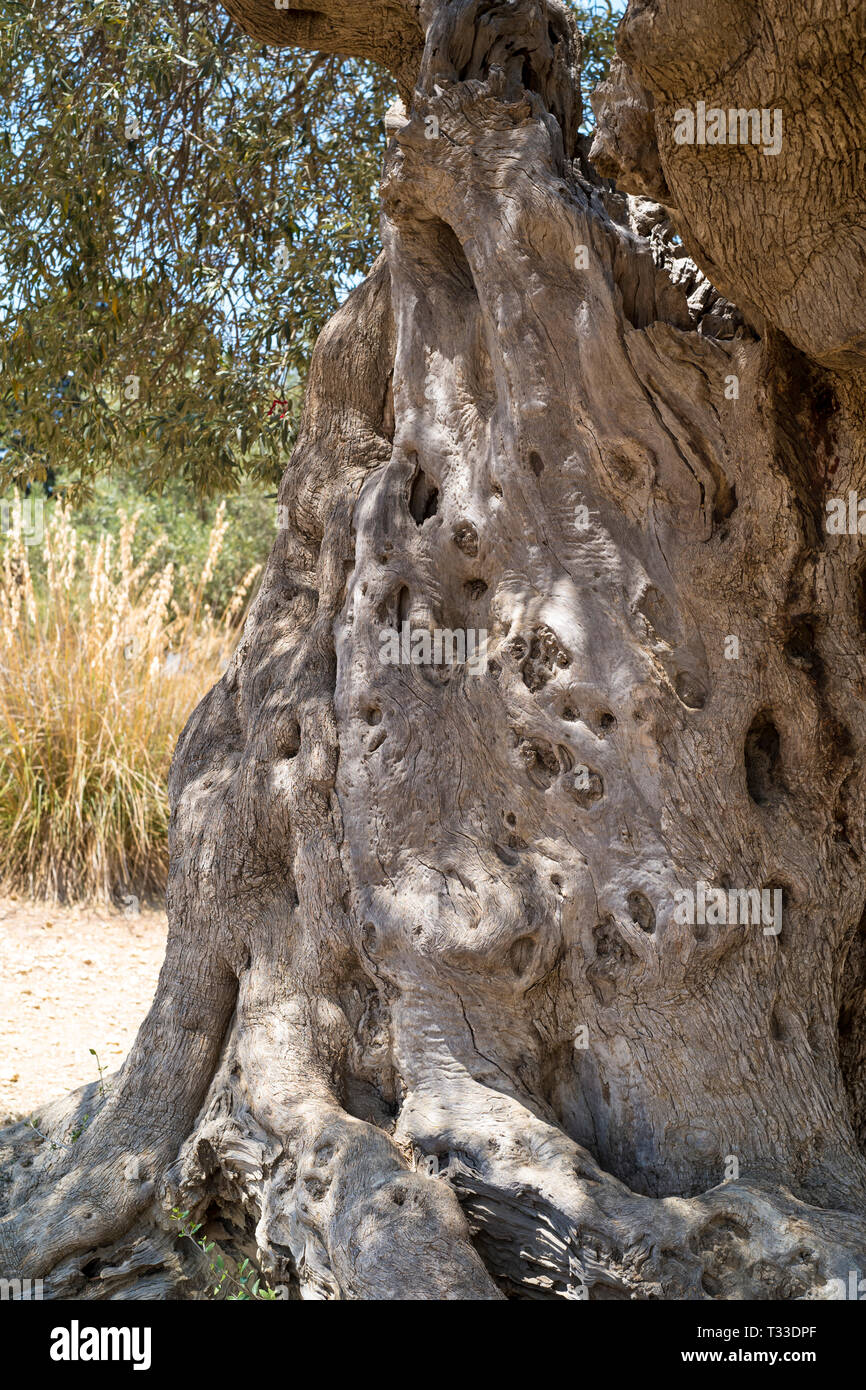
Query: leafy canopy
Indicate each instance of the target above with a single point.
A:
(181, 211)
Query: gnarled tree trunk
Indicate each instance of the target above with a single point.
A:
(434, 1021)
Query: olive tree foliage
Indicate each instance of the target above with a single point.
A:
(182, 208)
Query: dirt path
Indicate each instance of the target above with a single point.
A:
(71, 978)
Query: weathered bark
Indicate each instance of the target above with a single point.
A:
(429, 1025)
(783, 235)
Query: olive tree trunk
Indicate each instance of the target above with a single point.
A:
(534, 970)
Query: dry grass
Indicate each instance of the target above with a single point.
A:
(101, 663)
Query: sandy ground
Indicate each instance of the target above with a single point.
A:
(71, 978)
